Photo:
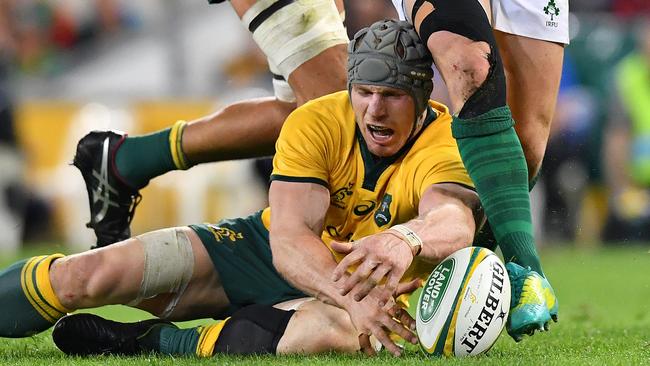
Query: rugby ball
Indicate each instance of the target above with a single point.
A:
(464, 304)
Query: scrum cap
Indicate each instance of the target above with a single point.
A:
(390, 53)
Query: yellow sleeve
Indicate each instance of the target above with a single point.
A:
(303, 145)
(445, 166)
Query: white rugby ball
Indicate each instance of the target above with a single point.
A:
(464, 304)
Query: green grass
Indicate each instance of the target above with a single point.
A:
(604, 320)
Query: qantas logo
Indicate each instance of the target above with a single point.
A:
(102, 193)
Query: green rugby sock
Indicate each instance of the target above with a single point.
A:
(169, 339)
(141, 158)
(485, 237)
(29, 303)
(493, 157)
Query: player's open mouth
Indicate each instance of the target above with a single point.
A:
(380, 133)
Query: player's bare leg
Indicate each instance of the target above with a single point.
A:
(533, 70)
(316, 328)
(166, 272)
(240, 130)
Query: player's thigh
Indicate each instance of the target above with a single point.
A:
(533, 70)
(240, 251)
(304, 41)
(317, 327)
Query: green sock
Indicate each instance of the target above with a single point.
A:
(141, 158)
(485, 237)
(169, 339)
(29, 305)
(492, 154)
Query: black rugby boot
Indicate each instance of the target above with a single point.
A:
(112, 202)
(88, 334)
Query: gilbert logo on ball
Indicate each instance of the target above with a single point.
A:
(464, 304)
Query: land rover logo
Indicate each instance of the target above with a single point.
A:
(435, 288)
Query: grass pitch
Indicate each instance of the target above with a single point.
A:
(604, 299)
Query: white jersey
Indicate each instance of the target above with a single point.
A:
(547, 20)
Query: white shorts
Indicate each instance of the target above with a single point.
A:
(547, 20)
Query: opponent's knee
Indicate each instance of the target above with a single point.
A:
(483, 69)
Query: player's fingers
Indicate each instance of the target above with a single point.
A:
(391, 283)
(359, 276)
(361, 290)
(404, 317)
(365, 346)
(407, 287)
(350, 259)
(341, 247)
(397, 328)
(384, 339)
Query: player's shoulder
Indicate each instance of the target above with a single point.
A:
(333, 108)
(335, 101)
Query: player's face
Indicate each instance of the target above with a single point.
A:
(385, 117)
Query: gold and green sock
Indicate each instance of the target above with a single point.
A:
(495, 161)
(141, 158)
(29, 303)
(169, 339)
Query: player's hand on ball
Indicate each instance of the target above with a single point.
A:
(369, 318)
(378, 257)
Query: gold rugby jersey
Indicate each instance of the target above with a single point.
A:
(320, 143)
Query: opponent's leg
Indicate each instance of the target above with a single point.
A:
(307, 45)
(533, 70)
(464, 49)
(115, 167)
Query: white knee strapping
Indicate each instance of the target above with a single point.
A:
(296, 32)
(168, 265)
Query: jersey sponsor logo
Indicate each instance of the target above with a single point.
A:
(364, 208)
(338, 198)
(103, 190)
(383, 216)
(552, 10)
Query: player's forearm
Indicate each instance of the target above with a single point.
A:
(442, 231)
(306, 263)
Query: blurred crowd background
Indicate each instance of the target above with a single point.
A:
(70, 66)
